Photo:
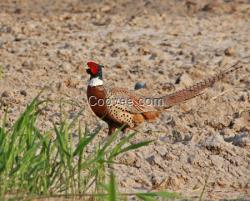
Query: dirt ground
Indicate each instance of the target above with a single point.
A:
(167, 45)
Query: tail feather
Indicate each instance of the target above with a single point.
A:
(197, 89)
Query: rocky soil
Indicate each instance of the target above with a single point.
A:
(167, 45)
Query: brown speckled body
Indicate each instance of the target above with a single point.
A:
(94, 94)
(98, 93)
(115, 114)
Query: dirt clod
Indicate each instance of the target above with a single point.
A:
(229, 51)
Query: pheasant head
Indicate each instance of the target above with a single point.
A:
(95, 72)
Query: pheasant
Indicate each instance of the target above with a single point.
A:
(120, 107)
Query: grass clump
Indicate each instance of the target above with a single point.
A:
(34, 165)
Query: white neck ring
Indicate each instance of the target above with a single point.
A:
(96, 81)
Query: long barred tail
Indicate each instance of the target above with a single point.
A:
(195, 90)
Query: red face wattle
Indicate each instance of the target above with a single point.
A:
(93, 67)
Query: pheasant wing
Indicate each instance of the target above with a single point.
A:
(128, 101)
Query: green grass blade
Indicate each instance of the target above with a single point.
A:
(146, 197)
(135, 146)
(83, 143)
(61, 141)
(163, 194)
(112, 188)
(116, 150)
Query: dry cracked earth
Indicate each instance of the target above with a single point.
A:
(166, 45)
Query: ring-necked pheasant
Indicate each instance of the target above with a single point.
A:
(122, 107)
